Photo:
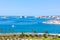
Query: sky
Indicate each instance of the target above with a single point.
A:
(29, 7)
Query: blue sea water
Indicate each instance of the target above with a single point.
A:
(16, 24)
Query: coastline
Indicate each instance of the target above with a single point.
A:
(28, 34)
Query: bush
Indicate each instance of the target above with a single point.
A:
(44, 35)
(58, 36)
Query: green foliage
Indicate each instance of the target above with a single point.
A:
(22, 35)
(58, 36)
(27, 35)
(44, 35)
(35, 35)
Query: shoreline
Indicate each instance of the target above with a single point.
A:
(27, 34)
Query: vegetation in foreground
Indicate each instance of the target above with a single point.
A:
(23, 36)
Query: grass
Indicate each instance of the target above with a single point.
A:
(33, 38)
(44, 38)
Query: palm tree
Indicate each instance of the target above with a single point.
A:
(27, 35)
(30, 35)
(46, 34)
(35, 35)
(22, 35)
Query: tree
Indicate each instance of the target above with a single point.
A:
(35, 35)
(22, 35)
(30, 35)
(46, 34)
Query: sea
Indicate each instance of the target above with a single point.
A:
(15, 24)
